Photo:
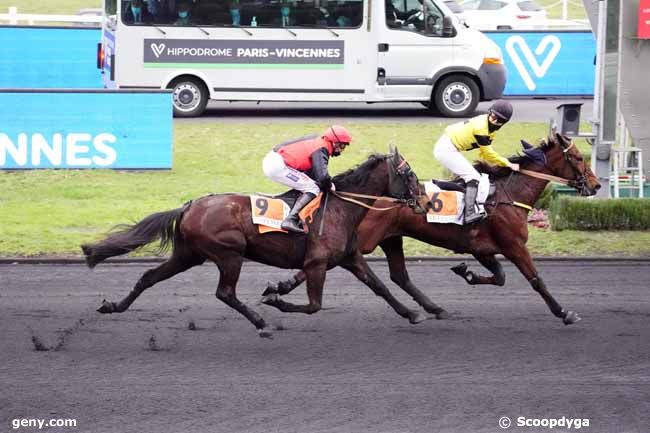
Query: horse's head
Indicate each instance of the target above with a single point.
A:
(402, 180)
(563, 159)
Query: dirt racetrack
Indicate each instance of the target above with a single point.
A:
(353, 367)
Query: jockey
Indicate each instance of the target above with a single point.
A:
(302, 164)
(477, 132)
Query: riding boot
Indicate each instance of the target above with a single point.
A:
(472, 214)
(292, 222)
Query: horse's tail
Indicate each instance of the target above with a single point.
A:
(126, 238)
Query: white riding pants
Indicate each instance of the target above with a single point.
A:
(275, 169)
(445, 152)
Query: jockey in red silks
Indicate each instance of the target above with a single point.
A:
(301, 164)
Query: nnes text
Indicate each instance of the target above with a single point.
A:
(71, 150)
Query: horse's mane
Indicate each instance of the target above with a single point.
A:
(358, 175)
(525, 160)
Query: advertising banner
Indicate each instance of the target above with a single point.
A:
(644, 19)
(542, 63)
(46, 58)
(226, 53)
(85, 129)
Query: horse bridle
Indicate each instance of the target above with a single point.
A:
(404, 170)
(580, 180)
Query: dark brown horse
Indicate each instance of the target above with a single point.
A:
(219, 228)
(505, 231)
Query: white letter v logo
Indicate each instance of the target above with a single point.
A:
(157, 49)
(539, 70)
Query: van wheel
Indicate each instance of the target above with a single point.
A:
(189, 97)
(456, 96)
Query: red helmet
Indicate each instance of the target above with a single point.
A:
(337, 134)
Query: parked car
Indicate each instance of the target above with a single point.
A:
(503, 14)
(456, 8)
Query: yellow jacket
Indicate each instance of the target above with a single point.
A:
(474, 133)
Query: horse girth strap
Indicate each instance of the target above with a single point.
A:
(544, 176)
(522, 205)
(347, 196)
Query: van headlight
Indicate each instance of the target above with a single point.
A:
(493, 55)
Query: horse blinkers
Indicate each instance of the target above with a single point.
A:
(402, 181)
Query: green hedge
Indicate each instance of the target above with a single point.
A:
(546, 198)
(572, 213)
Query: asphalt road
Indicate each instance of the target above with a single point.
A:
(353, 367)
(528, 110)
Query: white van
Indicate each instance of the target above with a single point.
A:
(321, 50)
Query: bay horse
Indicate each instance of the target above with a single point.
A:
(505, 231)
(219, 228)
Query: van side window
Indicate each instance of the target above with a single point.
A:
(246, 13)
(419, 16)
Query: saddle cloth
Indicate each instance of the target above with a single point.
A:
(449, 206)
(269, 211)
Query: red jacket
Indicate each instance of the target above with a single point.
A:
(298, 154)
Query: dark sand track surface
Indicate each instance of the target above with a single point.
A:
(353, 367)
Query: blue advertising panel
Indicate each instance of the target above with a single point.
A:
(85, 129)
(39, 58)
(548, 63)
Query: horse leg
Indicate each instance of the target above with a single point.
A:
(519, 255)
(360, 269)
(393, 248)
(176, 264)
(229, 265)
(490, 262)
(285, 287)
(315, 275)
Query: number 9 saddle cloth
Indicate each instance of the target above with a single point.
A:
(269, 211)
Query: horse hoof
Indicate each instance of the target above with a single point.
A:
(270, 299)
(442, 315)
(106, 307)
(571, 318)
(416, 317)
(460, 269)
(265, 333)
(270, 289)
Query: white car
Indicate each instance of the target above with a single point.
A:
(503, 14)
(455, 8)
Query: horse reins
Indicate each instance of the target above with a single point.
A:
(556, 179)
(544, 176)
(549, 177)
(347, 196)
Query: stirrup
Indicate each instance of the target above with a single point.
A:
(292, 225)
(474, 217)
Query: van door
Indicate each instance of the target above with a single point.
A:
(411, 49)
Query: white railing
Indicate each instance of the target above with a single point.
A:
(14, 18)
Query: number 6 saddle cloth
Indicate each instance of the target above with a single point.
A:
(448, 206)
(269, 211)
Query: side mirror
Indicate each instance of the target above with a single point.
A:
(447, 27)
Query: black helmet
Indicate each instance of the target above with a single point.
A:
(502, 109)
